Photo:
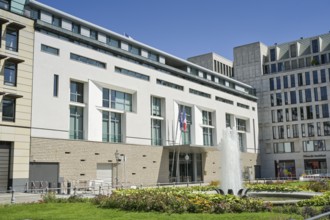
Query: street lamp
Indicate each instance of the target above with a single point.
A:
(187, 159)
(117, 162)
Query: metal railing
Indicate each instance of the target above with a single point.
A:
(316, 171)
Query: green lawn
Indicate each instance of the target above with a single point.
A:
(89, 211)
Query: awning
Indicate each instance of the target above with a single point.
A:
(2, 56)
(2, 93)
(12, 95)
(14, 60)
(15, 25)
(191, 148)
(3, 21)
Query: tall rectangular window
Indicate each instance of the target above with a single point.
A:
(295, 131)
(293, 97)
(318, 127)
(285, 82)
(274, 132)
(273, 67)
(8, 109)
(12, 39)
(292, 79)
(317, 111)
(111, 127)
(293, 50)
(207, 118)
(56, 21)
(294, 113)
(324, 94)
(273, 116)
(121, 101)
(326, 128)
(325, 111)
(271, 84)
(228, 121)
(10, 74)
(271, 99)
(76, 92)
(76, 122)
(279, 115)
(75, 28)
(186, 134)
(278, 99)
(310, 127)
(288, 131)
(105, 97)
(93, 34)
(302, 115)
(280, 132)
(286, 100)
(323, 76)
(55, 89)
(303, 131)
(301, 100)
(315, 46)
(241, 124)
(278, 82)
(315, 77)
(156, 132)
(207, 137)
(309, 112)
(272, 55)
(287, 115)
(280, 67)
(307, 79)
(300, 79)
(308, 95)
(316, 95)
(156, 106)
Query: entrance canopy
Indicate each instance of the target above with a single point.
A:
(189, 148)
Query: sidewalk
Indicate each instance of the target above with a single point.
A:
(6, 198)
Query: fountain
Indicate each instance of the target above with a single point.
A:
(230, 173)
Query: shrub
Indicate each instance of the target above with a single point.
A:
(319, 186)
(308, 212)
(321, 200)
(215, 183)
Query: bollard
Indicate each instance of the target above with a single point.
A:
(12, 195)
(68, 188)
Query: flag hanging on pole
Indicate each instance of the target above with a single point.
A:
(183, 121)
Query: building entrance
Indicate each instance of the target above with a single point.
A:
(316, 166)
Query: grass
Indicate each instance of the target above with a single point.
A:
(73, 211)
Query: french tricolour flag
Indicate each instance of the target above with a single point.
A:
(183, 121)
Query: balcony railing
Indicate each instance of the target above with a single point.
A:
(316, 171)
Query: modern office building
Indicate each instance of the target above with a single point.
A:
(292, 83)
(16, 60)
(108, 107)
(214, 62)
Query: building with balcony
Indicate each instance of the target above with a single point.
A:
(292, 86)
(16, 65)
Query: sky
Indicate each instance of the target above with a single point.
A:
(186, 28)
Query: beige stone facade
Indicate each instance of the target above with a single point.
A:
(15, 132)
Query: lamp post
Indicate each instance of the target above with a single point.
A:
(117, 162)
(187, 159)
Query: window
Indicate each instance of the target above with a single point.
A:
(317, 111)
(8, 109)
(318, 125)
(111, 127)
(272, 55)
(113, 42)
(243, 106)
(55, 89)
(301, 100)
(302, 116)
(300, 79)
(279, 115)
(93, 34)
(301, 63)
(241, 124)
(169, 84)
(134, 50)
(316, 145)
(10, 74)
(49, 49)
(295, 131)
(286, 100)
(324, 95)
(292, 79)
(12, 39)
(294, 64)
(325, 111)
(155, 106)
(323, 76)
(287, 115)
(156, 132)
(207, 137)
(308, 95)
(326, 128)
(285, 82)
(309, 112)
(132, 73)
(152, 56)
(287, 65)
(273, 67)
(266, 71)
(273, 116)
(293, 97)
(271, 84)
(121, 101)
(316, 95)
(278, 82)
(224, 100)
(303, 131)
(280, 132)
(315, 46)
(280, 67)
(76, 92)
(76, 122)
(56, 21)
(271, 99)
(75, 28)
(278, 99)
(200, 93)
(105, 97)
(315, 77)
(186, 134)
(323, 58)
(274, 132)
(4, 4)
(207, 118)
(307, 79)
(86, 60)
(294, 113)
(287, 147)
(293, 50)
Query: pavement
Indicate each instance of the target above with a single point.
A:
(6, 198)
